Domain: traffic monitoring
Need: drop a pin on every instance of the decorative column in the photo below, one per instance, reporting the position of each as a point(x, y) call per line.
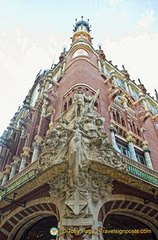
point(6, 174)
point(113, 77)
point(130, 140)
point(104, 67)
point(144, 101)
point(113, 139)
point(14, 166)
point(59, 71)
point(1, 177)
point(36, 145)
point(130, 89)
point(147, 154)
point(25, 156)
point(99, 64)
point(124, 100)
point(42, 90)
point(47, 82)
point(126, 86)
point(64, 64)
point(39, 93)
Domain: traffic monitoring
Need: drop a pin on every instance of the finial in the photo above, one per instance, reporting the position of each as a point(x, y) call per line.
point(156, 94)
point(99, 45)
point(139, 81)
point(82, 17)
point(123, 67)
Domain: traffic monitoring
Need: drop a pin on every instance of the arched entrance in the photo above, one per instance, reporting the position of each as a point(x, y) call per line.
point(41, 229)
point(121, 227)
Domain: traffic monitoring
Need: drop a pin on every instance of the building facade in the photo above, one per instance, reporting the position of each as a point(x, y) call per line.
point(79, 158)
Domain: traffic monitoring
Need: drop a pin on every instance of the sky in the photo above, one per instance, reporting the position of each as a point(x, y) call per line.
point(33, 33)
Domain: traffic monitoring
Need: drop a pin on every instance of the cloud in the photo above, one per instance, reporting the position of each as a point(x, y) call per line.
point(21, 57)
point(139, 54)
point(114, 2)
point(146, 20)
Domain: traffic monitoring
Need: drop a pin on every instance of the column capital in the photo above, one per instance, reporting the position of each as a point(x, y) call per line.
point(26, 152)
point(38, 141)
point(129, 137)
point(145, 147)
point(112, 129)
point(7, 171)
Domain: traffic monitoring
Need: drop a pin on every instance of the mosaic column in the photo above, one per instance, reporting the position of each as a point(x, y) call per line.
point(1, 177)
point(113, 139)
point(25, 156)
point(147, 154)
point(130, 140)
point(6, 174)
point(14, 166)
point(37, 146)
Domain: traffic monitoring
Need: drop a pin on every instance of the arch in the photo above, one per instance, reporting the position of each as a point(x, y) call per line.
point(70, 101)
point(22, 218)
point(65, 106)
point(130, 206)
point(80, 52)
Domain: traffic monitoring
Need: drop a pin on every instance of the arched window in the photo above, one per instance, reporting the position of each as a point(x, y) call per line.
point(65, 106)
point(118, 117)
point(123, 122)
point(96, 105)
point(114, 116)
point(70, 101)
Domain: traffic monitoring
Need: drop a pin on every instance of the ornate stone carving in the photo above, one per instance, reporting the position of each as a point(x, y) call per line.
point(79, 140)
point(100, 184)
point(77, 203)
point(58, 186)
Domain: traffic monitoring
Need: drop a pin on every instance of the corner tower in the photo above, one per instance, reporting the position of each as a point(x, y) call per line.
point(79, 158)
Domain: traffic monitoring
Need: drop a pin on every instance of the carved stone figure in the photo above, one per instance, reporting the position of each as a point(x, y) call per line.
point(78, 143)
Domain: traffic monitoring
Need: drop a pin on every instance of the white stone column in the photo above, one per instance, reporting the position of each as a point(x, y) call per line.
point(130, 140)
point(113, 77)
point(126, 86)
point(64, 64)
point(99, 64)
point(147, 154)
point(144, 101)
point(47, 82)
point(130, 89)
point(25, 156)
point(37, 146)
point(113, 139)
point(104, 67)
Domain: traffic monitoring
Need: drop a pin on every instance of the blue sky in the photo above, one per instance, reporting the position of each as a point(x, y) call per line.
point(34, 32)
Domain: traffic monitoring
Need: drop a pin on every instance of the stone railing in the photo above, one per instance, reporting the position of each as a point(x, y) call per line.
point(141, 171)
